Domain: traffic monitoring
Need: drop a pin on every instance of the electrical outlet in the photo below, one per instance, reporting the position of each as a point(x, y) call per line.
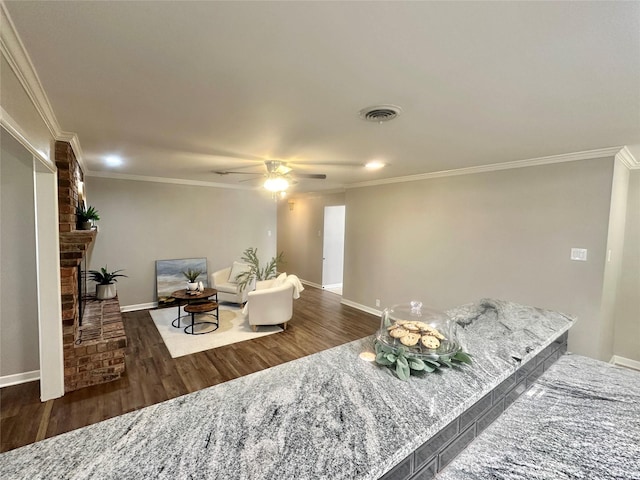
point(377, 302)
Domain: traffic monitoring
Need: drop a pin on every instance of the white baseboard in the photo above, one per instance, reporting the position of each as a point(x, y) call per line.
point(311, 284)
point(17, 378)
point(139, 306)
point(625, 362)
point(364, 308)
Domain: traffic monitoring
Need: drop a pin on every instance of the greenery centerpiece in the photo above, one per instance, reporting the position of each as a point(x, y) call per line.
point(250, 257)
point(405, 363)
point(86, 216)
point(105, 280)
point(192, 276)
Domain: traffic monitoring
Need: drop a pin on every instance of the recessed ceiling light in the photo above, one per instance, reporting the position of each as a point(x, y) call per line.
point(374, 165)
point(113, 161)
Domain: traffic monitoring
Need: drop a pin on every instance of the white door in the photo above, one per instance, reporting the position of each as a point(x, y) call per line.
point(333, 246)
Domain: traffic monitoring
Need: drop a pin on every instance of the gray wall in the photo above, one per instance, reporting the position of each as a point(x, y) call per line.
point(627, 317)
point(141, 222)
point(300, 233)
point(504, 234)
point(18, 295)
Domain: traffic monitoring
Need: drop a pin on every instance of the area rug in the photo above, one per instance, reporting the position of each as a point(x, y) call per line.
point(234, 327)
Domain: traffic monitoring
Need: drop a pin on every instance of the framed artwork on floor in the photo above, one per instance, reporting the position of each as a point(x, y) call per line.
point(169, 276)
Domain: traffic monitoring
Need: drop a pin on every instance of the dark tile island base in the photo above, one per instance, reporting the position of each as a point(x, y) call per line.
point(330, 415)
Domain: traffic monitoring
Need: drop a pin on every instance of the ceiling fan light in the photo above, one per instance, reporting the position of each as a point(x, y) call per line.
point(374, 165)
point(276, 184)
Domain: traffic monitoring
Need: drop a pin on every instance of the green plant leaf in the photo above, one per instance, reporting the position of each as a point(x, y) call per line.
point(403, 371)
point(387, 349)
point(391, 357)
point(402, 360)
point(192, 275)
point(85, 214)
point(446, 362)
point(433, 363)
point(416, 364)
point(250, 257)
point(429, 368)
point(103, 277)
point(463, 357)
point(382, 360)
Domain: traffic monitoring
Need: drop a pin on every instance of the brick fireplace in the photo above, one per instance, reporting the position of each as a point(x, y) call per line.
point(94, 345)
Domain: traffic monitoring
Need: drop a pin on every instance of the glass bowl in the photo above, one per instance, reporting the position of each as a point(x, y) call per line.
point(424, 332)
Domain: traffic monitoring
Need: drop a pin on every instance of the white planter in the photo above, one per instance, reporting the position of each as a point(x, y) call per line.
point(105, 292)
point(192, 286)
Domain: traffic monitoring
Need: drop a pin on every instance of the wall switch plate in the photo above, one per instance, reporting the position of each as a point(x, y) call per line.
point(377, 302)
point(579, 254)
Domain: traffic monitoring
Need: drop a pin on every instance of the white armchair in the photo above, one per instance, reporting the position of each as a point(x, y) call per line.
point(228, 289)
point(271, 303)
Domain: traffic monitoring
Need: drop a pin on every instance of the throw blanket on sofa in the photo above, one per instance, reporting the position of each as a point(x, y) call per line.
point(281, 280)
point(297, 285)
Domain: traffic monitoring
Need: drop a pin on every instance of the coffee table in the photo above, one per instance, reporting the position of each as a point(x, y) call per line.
point(194, 298)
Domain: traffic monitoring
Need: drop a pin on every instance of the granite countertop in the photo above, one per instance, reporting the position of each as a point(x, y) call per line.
point(330, 415)
point(580, 420)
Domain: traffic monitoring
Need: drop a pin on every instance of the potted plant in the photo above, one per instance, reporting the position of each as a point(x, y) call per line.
point(250, 256)
point(106, 287)
point(86, 216)
point(192, 276)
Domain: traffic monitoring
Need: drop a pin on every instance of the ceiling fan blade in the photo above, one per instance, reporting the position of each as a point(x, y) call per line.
point(227, 172)
point(251, 179)
point(328, 164)
point(318, 176)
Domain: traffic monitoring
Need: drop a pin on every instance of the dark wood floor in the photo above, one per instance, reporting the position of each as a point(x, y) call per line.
point(152, 376)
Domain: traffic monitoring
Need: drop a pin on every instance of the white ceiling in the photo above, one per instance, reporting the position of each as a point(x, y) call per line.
point(179, 89)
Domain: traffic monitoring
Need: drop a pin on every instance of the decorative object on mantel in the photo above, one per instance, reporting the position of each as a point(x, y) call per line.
point(106, 287)
point(192, 276)
point(413, 338)
point(86, 216)
point(250, 257)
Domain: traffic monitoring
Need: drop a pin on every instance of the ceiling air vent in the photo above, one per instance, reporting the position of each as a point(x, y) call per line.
point(380, 113)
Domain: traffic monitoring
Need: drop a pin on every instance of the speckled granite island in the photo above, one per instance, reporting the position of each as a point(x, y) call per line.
point(330, 415)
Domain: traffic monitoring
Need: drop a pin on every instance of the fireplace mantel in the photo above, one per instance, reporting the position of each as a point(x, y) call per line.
point(74, 246)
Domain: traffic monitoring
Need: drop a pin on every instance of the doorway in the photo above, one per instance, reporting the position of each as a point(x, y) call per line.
point(333, 248)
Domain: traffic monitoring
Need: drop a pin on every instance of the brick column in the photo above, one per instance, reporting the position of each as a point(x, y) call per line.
point(93, 353)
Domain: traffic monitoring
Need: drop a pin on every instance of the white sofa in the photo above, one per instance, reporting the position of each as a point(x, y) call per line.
point(271, 303)
point(228, 289)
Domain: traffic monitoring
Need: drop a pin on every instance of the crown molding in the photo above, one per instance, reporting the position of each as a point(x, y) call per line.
point(627, 159)
point(18, 58)
point(11, 126)
point(565, 157)
point(316, 193)
point(175, 181)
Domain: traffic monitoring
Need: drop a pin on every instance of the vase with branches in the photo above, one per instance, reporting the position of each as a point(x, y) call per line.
point(250, 257)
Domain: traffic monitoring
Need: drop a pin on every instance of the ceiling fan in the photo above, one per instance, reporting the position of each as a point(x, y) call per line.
point(279, 176)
